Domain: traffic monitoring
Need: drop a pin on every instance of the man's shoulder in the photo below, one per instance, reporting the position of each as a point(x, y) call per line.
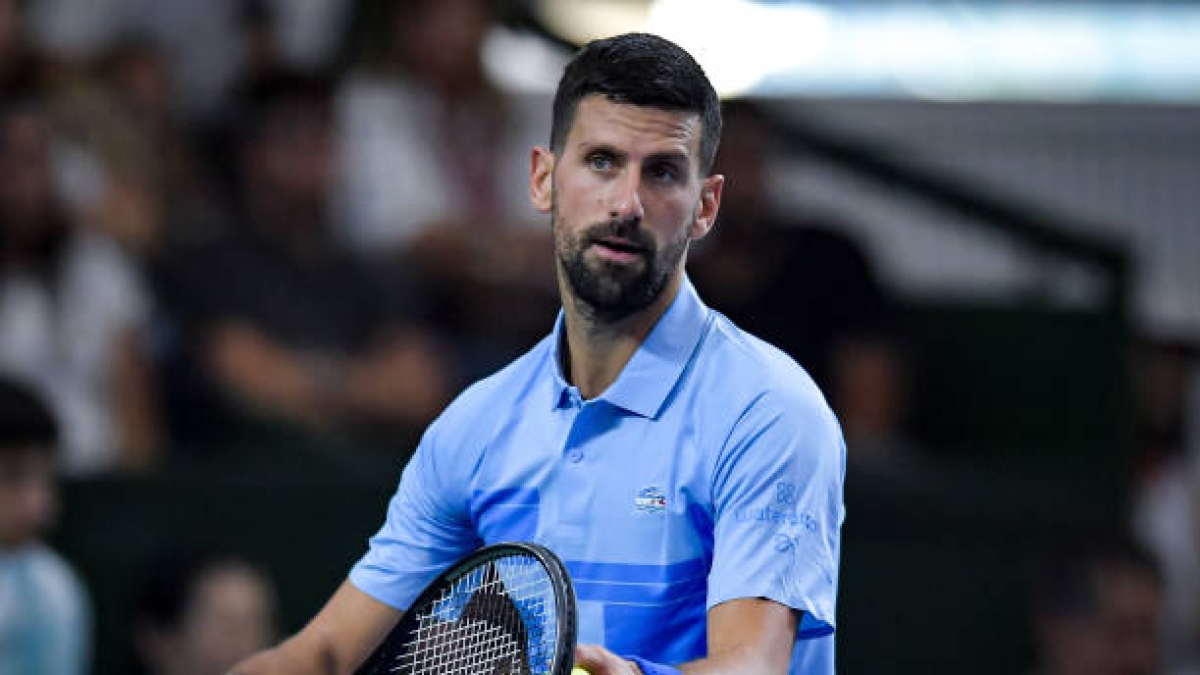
point(767, 411)
point(752, 368)
point(506, 389)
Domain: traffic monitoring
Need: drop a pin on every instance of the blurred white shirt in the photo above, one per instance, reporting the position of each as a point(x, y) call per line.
point(61, 340)
point(394, 181)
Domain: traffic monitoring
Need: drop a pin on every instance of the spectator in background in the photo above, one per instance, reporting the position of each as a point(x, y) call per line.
point(17, 64)
point(803, 284)
point(120, 115)
point(282, 322)
point(428, 142)
point(428, 148)
point(73, 312)
point(1097, 610)
point(200, 613)
point(1166, 494)
point(259, 38)
point(44, 622)
point(211, 42)
point(1162, 370)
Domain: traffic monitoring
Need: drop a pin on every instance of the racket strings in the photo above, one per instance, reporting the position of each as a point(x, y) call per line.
point(496, 619)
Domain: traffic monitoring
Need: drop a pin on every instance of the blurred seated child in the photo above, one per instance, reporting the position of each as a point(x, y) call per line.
point(44, 615)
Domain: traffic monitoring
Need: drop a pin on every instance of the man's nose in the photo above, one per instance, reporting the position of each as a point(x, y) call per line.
point(625, 202)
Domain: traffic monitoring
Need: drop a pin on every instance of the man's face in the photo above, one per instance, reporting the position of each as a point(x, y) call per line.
point(27, 496)
point(626, 196)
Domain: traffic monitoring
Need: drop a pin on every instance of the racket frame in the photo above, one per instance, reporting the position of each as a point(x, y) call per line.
point(381, 659)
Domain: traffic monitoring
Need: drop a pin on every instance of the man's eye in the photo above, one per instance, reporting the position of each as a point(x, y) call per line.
point(600, 162)
point(664, 172)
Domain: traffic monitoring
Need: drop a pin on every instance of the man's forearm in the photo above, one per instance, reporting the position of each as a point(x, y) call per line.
point(292, 656)
point(739, 661)
point(736, 662)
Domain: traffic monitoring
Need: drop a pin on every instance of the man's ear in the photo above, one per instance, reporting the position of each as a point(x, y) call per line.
point(541, 178)
point(710, 203)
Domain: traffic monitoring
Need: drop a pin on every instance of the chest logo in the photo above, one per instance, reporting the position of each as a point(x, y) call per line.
point(650, 500)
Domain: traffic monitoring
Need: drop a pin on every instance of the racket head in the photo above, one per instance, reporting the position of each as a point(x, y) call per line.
point(505, 609)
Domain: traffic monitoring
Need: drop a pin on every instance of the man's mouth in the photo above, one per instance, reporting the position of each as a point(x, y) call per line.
point(618, 249)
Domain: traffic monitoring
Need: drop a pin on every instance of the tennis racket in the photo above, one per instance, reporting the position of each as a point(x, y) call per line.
point(506, 609)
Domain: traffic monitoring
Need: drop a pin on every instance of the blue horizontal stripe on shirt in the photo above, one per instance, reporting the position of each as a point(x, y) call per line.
point(509, 514)
point(638, 583)
point(630, 573)
point(656, 594)
point(482, 500)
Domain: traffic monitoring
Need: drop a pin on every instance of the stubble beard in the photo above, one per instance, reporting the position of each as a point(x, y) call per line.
point(608, 292)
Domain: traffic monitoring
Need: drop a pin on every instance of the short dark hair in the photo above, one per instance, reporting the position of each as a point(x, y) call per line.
point(640, 69)
point(169, 588)
point(171, 580)
point(25, 420)
point(169, 585)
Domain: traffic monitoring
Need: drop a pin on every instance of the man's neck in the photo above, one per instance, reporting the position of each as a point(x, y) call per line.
point(597, 350)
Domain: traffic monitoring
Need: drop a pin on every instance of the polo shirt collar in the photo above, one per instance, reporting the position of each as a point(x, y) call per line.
point(650, 376)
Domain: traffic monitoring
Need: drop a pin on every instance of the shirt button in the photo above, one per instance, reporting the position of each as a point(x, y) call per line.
point(575, 456)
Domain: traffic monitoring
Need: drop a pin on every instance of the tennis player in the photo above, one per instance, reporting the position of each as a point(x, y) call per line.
point(689, 474)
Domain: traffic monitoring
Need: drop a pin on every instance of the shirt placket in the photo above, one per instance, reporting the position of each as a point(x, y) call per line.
point(576, 483)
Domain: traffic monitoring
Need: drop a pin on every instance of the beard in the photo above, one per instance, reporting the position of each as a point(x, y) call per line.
point(611, 291)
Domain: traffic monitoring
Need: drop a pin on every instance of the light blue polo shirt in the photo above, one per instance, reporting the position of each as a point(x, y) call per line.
point(45, 618)
point(710, 470)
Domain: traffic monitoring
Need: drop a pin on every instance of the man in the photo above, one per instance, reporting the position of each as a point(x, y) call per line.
point(689, 475)
point(74, 312)
point(44, 622)
point(298, 332)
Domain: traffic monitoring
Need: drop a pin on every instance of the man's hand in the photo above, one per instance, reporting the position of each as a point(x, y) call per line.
point(749, 636)
point(599, 661)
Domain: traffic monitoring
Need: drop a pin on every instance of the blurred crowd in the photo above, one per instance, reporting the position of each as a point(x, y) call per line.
point(227, 225)
point(287, 233)
point(326, 240)
point(331, 238)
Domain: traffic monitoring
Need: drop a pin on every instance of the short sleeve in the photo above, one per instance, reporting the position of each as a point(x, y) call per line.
point(427, 529)
point(778, 507)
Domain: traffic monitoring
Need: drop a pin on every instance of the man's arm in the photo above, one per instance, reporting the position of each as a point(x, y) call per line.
point(336, 641)
point(749, 636)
